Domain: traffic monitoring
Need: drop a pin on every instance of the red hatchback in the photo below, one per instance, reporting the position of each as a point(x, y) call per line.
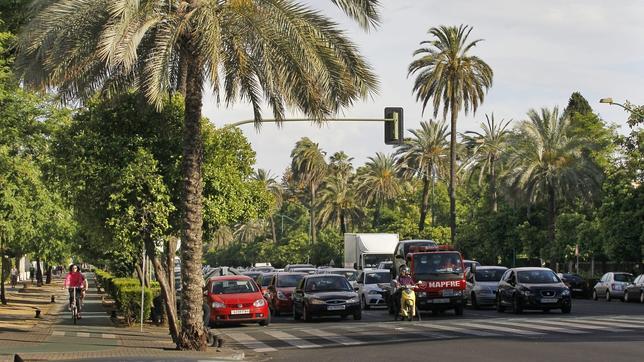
point(235, 299)
point(280, 290)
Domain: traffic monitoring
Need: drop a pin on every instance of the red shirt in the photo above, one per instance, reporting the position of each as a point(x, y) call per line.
point(74, 279)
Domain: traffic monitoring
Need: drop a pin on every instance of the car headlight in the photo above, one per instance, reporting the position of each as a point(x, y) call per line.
point(353, 300)
point(422, 294)
point(565, 293)
point(259, 303)
point(218, 305)
point(281, 295)
point(316, 301)
point(526, 292)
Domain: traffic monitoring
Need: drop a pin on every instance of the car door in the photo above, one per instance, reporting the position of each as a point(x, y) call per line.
point(601, 286)
point(504, 286)
point(298, 296)
point(272, 292)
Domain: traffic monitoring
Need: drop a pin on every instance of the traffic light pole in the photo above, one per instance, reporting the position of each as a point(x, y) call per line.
point(311, 120)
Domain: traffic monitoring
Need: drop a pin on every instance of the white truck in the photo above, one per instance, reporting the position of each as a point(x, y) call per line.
point(366, 250)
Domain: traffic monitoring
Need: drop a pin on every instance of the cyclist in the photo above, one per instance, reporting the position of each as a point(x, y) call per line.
point(75, 279)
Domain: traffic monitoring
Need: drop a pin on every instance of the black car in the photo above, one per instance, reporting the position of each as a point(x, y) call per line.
point(532, 288)
point(577, 284)
point(324, 295)
point(635, 291)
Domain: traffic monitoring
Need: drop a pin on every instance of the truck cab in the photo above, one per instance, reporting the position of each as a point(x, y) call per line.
point(440, 277)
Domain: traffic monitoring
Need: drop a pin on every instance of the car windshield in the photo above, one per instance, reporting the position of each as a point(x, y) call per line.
point(489, 275)
point(328, 284)
point(266, 279)
point(289, 281)
point(418, 243)
point(628, 278)
point(437, 263)
point(378, 277)
point(537, 277)
point(233, 287)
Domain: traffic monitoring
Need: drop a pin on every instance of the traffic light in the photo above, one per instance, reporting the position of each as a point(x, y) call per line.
point(394, 126)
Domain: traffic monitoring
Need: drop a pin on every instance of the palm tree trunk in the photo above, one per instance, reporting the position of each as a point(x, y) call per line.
point(452, 169)
point(273, 230)
point(312, 211)
point(493, 186)
point(424, 204)
point(192, 336)
point(376, 215)
point(343, 225)
point(552, 213)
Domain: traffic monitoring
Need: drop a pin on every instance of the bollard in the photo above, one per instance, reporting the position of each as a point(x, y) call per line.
point(37, 313)
point(53, 299)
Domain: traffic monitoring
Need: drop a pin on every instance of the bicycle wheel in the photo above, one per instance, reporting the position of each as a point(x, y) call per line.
point(74, 313)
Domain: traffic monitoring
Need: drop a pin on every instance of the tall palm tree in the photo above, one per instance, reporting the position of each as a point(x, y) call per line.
point(309, 169)
point(487, 147)
point(545, 164)
point(339, 204)
point(449, 76)
point(340, 164)
point(424, 155)
point(379, 183)
point(272, 186)
point(278, 51)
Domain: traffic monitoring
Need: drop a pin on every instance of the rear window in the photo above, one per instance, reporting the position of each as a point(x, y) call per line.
point(628, 278)
point(289, 281)
point(537, 277)
point(489, 275)
point(328, 284)
point(233, 287)
point(375, 278)
point(266, 279)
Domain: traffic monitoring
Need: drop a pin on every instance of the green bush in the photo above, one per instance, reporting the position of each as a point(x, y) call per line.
point(129, 302)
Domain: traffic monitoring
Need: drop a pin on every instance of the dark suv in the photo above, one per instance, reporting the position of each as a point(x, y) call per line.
point(323, 295)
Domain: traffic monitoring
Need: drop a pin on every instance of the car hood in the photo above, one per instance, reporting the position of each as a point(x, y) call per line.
point(286, 290)
point(486, 285)
point(241, 298)
point(544, 286)
point(372, 286)
point(332, 295)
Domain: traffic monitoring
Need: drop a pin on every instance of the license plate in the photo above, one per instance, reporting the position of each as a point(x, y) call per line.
point(240, 311)
point(577, 290)
point(448, 292)
point(336, 307)
point(548, 300)
point(440, 300)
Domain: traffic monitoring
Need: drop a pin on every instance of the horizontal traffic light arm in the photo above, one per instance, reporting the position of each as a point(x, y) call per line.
point(311, 120)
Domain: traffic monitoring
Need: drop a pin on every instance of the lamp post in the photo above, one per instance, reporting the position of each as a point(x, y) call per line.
point(609, 100)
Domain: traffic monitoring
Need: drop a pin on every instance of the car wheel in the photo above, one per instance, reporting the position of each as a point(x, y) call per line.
point(475, 304)
point(305, 314)
point(642, 297)
point(546, 310)
point(608, 297)
point(266, 321)
point(499, 307)
point(516, 308)
point(625, 299)
point(566, 310)
point(594, 294)
point(363, 301)
point(296, 316)
point(458, 310)
point(357, 316)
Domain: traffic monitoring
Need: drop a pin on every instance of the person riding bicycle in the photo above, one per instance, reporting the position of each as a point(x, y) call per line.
point(75, 279)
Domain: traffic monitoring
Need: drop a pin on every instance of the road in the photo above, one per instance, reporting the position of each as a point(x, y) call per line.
point(596, 330)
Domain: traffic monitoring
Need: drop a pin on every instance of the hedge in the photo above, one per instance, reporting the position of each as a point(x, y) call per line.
point(126, 292)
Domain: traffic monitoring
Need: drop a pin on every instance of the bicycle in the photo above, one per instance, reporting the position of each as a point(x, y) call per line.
point(75, 304)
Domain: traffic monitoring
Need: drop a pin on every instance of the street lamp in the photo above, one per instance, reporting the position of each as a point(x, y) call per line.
point(609, 100)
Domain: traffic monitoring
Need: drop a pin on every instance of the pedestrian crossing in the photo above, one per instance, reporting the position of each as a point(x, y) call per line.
point(275, 337)
point(83, 334)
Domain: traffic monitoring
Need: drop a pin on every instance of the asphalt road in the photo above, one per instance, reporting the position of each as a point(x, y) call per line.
point(594, 331)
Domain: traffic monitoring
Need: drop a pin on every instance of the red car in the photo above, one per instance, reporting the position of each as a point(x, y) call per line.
point(280, 290)
point(235, 299)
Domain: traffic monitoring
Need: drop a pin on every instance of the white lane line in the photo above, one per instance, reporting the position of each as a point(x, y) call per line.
point(580, 325)
point(501, 329)
point(625, 320)
point(473, 332)
point(611, 324)
point(405, 328)
point(251, 342)
point(82, 334)
point(58, 333)
point(292, 340)
point(108, 335)
point(345, 341)
point(532, 325)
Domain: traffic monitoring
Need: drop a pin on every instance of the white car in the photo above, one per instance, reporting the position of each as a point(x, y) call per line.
point(482, 285)
point(369, 287)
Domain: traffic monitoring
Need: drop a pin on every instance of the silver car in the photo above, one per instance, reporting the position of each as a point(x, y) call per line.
point(482, 284)
point(612, 285)
point(369, 287)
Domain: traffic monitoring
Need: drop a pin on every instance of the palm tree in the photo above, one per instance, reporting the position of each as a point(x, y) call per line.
point(275, 189)
point(309, 169)
point(487, 148)
point(340, 164)
point(546, 164)
point(339, 203)
point(449, 76)
point(278, 51)
point(379, 183)
point(424, 155)
point(249, 231)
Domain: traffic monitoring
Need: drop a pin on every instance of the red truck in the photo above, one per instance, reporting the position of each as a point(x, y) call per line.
point(440, 275)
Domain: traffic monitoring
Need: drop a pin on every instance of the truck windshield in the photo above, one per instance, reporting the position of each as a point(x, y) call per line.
point(437, 263)
point(372, 260)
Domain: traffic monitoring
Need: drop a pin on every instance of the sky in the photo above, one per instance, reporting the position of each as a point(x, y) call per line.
point(540, 51)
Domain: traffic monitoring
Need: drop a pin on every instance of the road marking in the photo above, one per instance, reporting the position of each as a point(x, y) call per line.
point(531, 324)
point(405, 328)
point(107, 335)
point(460, 330)
point(58, 333)
point(501, 329)
point(251, 342)
point(612, 324)
point(346, 341)
point(82, 334)
point(626, 320)
point(580, 325)
point(291, 339)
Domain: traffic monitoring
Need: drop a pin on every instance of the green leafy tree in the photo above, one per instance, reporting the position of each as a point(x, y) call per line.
point(449, 76)
point(425, 155)
point(278, 51)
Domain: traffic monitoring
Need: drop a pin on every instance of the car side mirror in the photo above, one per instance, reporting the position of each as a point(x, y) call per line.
point(399, 257)
point(356, 289)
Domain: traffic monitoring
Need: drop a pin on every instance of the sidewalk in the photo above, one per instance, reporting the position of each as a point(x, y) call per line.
point(95, 335)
